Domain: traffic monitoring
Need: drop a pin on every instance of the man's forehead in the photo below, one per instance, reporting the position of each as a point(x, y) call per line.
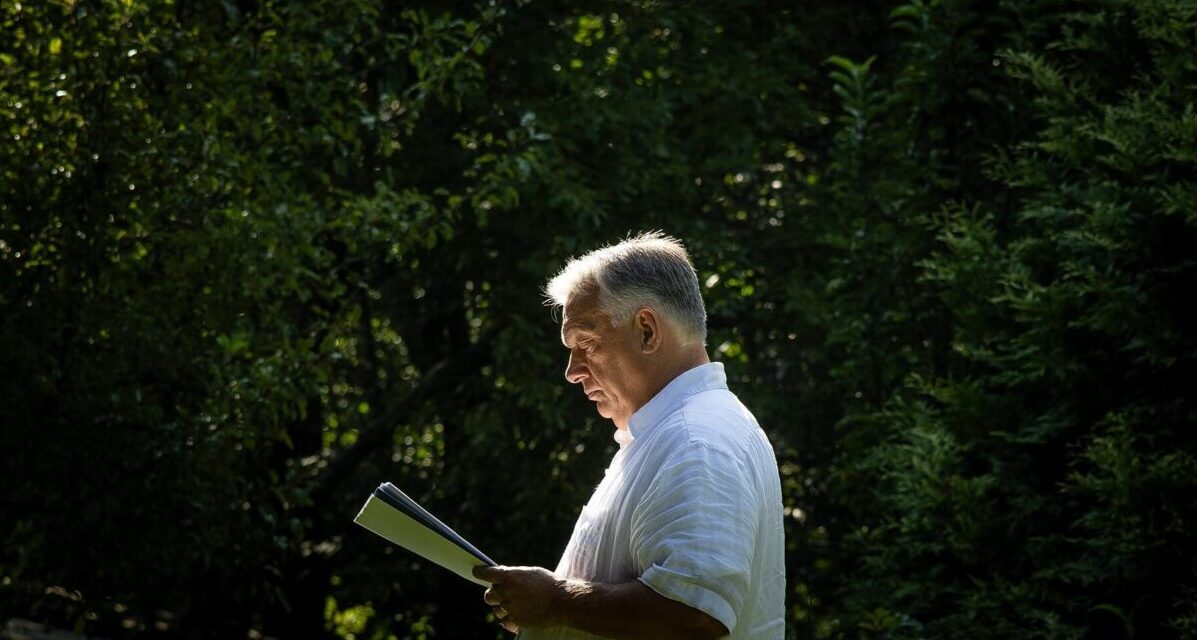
point(579, 309)
point(580, 314)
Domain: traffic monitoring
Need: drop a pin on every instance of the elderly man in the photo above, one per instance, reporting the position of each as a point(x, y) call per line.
point(683, 537)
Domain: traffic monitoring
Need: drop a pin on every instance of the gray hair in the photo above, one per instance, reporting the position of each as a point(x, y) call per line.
point(648, 270)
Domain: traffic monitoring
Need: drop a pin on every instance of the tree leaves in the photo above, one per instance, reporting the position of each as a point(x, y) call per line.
point(255, 257)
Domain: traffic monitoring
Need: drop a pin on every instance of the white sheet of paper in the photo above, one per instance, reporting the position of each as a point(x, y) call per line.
point(394, 525)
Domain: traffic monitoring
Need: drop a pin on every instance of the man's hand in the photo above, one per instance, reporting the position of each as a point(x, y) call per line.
point(533, 597)
point(523, 596)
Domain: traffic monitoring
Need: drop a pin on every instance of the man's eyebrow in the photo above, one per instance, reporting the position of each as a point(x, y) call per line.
point(574, 327)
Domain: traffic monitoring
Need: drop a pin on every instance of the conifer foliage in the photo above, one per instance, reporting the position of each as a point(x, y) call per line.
point(258, 256)
point(1036, 483)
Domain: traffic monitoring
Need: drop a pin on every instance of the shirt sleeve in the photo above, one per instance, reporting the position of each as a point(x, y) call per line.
point(692, 533)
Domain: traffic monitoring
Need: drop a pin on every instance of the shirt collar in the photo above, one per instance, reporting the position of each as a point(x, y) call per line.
point(701, 378)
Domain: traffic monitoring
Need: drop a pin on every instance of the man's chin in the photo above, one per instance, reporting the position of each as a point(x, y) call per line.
point(620, 421)
point(604, 409)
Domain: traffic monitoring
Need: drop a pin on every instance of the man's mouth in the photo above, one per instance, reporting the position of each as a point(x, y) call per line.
point(594, 395)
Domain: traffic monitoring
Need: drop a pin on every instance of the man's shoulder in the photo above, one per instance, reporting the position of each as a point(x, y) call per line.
point(714, 418)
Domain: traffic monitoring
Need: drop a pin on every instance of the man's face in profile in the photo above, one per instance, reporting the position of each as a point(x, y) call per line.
point(605, 360)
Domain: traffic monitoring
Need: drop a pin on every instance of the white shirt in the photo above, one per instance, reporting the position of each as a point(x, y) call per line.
point(690, 506)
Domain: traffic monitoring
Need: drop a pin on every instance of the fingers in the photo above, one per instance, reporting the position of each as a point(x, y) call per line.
point(511, 586)
point(491, 597)
point(501, 616)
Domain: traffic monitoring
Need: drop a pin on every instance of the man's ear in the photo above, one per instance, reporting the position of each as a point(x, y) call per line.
point(648, 328)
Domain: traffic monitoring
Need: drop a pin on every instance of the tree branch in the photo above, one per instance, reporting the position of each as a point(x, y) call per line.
point(376, 434)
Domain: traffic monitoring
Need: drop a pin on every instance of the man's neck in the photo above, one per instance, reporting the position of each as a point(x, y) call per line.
point(689, 356)
point(686, 358)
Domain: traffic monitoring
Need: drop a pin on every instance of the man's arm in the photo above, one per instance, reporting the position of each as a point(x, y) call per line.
point(534, 597)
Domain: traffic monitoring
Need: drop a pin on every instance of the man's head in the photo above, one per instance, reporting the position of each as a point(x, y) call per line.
point(633, 320)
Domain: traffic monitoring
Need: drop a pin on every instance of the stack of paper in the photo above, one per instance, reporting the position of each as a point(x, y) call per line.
point(398, 518)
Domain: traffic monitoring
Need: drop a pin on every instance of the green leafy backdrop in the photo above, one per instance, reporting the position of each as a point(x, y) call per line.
point(257, 256)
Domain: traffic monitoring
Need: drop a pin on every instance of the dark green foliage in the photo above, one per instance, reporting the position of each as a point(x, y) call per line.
point(1039, 485)
point(256, 257)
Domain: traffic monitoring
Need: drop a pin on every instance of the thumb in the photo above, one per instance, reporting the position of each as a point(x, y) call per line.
point(489, 574)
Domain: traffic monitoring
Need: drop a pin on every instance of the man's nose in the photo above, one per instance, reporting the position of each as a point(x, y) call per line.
point(575, 370)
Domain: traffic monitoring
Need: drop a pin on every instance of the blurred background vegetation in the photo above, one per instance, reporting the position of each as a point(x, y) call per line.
point(257, 256)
